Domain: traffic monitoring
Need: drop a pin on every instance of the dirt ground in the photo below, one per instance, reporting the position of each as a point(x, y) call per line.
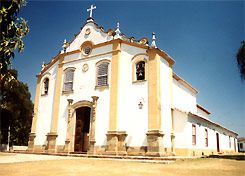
point(101, 167)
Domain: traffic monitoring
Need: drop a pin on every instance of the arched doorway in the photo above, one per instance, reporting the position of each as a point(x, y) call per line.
point(82, 129)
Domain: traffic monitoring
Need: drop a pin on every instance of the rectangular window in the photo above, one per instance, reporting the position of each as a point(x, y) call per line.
point(241, 145)
point(102, 74)
point(193, 134)
point(206, 137)
point(68, 84)
point(229, 141)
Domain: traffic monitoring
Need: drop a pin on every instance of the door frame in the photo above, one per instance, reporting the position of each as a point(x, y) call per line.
point(71, 122)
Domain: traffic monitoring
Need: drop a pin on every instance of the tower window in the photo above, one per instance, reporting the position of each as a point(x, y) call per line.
point(140, 70)
point(45, 86)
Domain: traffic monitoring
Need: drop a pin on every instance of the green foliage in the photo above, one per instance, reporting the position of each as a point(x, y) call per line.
point(13, 29)
point(241, 60)
point(17, 110)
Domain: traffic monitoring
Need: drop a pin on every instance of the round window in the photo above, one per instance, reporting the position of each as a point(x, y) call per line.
point(87, 50)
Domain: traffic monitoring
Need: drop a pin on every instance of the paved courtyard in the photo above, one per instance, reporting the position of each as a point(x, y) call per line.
point(46, 165)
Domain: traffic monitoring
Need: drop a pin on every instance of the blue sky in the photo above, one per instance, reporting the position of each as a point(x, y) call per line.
point(202, 37)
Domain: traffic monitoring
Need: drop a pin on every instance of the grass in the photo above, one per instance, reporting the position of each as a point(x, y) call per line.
point(92, 167)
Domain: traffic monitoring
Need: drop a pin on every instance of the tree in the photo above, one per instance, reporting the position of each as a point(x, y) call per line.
point(17, 110)
point(241, 60)
point(13, 29)
point(15, 105)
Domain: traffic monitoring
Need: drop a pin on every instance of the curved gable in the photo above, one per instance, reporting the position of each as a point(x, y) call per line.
point(89, 32)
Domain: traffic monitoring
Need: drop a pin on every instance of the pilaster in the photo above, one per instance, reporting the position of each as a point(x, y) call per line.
point(31, 142)
point(155, 143)
point(32, 135)
point(116, 144)
point(92, 141)
point(51, 137)
point(68, 131)
point(154, 134)
point(114, 86)
point(51, 142)
point(115, 139)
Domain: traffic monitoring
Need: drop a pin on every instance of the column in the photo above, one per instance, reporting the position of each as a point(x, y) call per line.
point(172, 111)
point(154, 134)
point(51, 137)
point(32, 135)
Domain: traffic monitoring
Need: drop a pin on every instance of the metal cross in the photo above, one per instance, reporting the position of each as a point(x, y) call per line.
point(91, 10)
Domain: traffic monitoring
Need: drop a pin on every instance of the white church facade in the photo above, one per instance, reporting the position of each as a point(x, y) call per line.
point(107, 94)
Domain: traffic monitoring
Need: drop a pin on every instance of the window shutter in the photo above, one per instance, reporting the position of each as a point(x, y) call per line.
point(68, 83)
point(102, 74)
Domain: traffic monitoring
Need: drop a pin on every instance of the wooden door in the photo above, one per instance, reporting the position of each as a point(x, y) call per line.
point(82, 129)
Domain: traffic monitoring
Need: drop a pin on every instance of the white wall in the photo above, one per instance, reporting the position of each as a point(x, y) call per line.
point(165, 102)
point(183, 98)
point(130, 118)
point(182, 130)
point(45, 106)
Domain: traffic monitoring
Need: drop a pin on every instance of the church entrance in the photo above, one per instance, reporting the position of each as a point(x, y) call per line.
point(82, 129)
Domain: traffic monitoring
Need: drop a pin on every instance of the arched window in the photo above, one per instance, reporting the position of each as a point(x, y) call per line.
point(140, 70)
point(45, 86)
point(68, 80)
point(102, 74)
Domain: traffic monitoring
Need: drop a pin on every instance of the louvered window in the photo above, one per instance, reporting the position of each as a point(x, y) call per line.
point(102, 74)
point(68, 80)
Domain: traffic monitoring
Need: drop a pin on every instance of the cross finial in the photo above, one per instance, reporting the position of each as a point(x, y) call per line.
point(153, 43)
point(118, 32)
point(118, 25)
point(91, 10)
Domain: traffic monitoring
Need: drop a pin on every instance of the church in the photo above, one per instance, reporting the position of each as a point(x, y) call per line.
point(107, 94)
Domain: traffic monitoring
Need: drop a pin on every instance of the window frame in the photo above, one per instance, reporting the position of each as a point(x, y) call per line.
point(229, 141)
point(194, 138)
point(135, 60)
point(42, 85)
point(45, 86)
point(98, 64)
point(84, 46)
point(136, 74)
point(206, 137)
point(65, 82)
